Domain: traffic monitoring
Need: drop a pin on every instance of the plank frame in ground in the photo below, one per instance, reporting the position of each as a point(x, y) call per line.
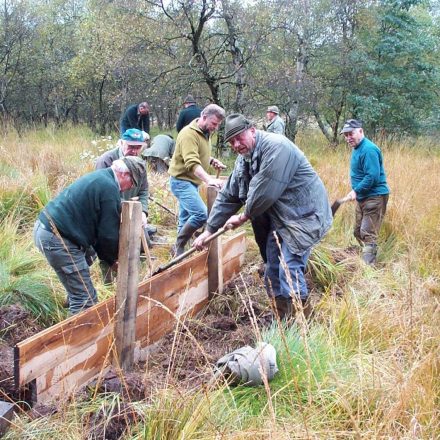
point(68, 355)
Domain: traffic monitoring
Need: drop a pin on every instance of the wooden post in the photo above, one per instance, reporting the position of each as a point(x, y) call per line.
point(127, 284)
point(215, 255)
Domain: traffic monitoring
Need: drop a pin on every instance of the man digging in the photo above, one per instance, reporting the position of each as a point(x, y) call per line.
point(273, 177)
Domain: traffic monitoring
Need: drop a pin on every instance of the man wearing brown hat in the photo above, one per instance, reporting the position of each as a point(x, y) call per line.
point(86, 214)
point(275, 123)
point(369, 188)
point(272, 177)
point(189, 112)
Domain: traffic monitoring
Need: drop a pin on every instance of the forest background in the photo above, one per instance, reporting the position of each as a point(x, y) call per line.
point(321, 61)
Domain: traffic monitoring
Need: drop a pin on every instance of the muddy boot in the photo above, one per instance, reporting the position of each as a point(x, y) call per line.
point(284, 307)
point(182, 238)
point(369, 252)
point(307, 308)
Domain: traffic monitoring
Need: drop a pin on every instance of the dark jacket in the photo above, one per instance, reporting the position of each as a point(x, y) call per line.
point(187, 115)
point(279, 181)
point(367, 173)
point(88, 213)
point(132, 119)
point(141, 190)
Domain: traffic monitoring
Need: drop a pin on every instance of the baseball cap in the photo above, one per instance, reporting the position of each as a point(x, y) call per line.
point(350, 125)
point(133, 136)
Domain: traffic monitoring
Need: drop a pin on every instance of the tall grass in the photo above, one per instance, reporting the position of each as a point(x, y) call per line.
point(367, 366)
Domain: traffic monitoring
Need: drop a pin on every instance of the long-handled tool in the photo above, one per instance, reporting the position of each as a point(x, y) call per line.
point(162, 206)
point(188, 252)
point(337, 203)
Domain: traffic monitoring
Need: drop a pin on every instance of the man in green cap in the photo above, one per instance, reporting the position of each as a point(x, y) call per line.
point(272, 177)
point(86, 214)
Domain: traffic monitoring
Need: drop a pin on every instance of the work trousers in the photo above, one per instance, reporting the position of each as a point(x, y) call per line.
point(69, 262)
point(192, 209)
point(285, 271)
point(369, 216)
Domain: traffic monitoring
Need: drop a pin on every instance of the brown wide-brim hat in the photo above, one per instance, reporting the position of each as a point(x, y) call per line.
point(136, 166)
point(235, 124)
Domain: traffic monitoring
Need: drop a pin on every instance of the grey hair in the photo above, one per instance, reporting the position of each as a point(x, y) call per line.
point(214, 110)
point(119, 165)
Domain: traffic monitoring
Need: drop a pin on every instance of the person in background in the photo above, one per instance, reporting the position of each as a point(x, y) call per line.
point(87, 214)
point(189, 112)
point(369, 188)
point(131, 144)
point(160, 153)
point(275, 123)
point(136, 116)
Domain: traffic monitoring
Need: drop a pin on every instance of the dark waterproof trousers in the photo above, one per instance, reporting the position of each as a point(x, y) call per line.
point(369, 216)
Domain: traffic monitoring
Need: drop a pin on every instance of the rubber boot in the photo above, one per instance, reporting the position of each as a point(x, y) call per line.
point(284, 307)
point(369, 252)
point(182, 238)
point(307, 308)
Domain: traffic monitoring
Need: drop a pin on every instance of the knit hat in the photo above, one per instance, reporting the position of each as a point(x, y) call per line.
point(136, 167)
point(235, 124)
point(189, 100)
point(350, 125)
point(273, 109)
point(133, 136)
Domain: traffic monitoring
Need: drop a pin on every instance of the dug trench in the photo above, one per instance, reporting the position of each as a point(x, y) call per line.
point(183, 359)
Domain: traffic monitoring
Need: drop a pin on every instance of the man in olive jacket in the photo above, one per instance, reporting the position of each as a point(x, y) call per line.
point(273, 177)
point(188, 169)
point(86, 214)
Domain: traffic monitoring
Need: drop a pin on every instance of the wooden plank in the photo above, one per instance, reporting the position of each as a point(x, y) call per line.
point(69, 354)
point(43, 351)
point(127, 287)
point(215, 262)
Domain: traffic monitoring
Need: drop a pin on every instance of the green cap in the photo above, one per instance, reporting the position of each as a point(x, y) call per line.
point(136, 166)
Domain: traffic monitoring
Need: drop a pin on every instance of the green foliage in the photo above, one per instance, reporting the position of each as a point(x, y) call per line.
point(23, 278)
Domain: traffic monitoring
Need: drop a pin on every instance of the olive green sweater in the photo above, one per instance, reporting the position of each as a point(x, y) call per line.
point(193, 147)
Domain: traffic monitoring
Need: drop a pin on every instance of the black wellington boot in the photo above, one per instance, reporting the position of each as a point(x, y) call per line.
point(182, 238)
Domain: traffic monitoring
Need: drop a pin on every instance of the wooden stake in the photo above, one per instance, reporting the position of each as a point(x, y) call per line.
point(215, 255)
point(127, 284)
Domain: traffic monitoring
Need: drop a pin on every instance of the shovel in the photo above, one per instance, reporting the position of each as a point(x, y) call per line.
point(337, 203)
point(188, 252)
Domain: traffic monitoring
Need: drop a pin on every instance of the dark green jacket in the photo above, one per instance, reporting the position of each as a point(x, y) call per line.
point(187, 115)
point(132, 119)
point(141, 190)
point(88, 213)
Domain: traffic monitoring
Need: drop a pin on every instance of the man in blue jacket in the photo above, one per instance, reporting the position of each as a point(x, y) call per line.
point(369, 188)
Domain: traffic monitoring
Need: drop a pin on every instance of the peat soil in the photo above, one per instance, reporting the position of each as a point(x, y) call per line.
point(16, 324)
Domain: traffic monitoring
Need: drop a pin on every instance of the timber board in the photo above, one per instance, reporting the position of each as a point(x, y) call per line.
point(66, 356)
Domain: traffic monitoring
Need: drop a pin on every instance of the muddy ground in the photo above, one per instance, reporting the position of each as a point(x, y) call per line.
point(183, 360)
